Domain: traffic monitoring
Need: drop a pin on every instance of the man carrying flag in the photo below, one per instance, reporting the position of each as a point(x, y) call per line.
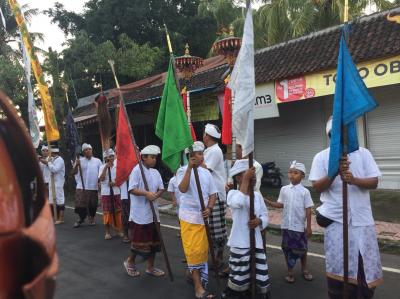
point(345, 163)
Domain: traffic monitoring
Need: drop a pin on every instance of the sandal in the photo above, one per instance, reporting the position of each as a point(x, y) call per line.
point(107, 237)
point(206, 295)
point(307, 276)
point(126, 240)
point(289, 278)
point(155, 272)
point(131, 269)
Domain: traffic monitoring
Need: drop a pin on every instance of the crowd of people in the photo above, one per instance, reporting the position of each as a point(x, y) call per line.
point(127, 209)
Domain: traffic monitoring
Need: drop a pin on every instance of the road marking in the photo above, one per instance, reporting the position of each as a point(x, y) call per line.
point(387, 269)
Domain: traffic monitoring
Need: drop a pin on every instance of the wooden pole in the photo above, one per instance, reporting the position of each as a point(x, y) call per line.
point(112, 197)
point(252, 236)
point(207, 227)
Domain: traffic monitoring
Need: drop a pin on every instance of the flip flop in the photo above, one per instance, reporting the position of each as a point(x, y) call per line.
point(155, 272)
point(307, 276)
point(289, 279)
point(107, 237)
point(126, 240)
point(131, 269)
point(206, 295)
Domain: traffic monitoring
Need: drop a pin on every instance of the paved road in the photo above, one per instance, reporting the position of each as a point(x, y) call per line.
point(91, 267)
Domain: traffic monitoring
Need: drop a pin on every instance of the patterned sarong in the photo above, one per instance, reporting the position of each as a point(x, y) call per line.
point(239, 274)
point(217, 224)
point(144, 239)
point(294, 246)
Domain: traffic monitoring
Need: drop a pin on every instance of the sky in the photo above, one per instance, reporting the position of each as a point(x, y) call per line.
point(53, 36)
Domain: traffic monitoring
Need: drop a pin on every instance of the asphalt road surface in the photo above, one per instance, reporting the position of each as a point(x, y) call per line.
point(91, 267)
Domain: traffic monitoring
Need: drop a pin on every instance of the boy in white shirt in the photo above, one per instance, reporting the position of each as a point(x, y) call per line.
point(297, 203)
point(145, 240)
point(239, 239)
point(110, 195)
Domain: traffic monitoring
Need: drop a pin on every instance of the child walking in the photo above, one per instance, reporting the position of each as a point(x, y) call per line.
point(296, 202)
point(145, 240)
point(239, 240)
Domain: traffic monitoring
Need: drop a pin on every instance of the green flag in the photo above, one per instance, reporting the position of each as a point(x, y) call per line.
point(172, 125)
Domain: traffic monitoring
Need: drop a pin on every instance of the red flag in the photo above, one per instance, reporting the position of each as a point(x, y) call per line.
point(227, 118)
point(126, 156)
point(184, 99)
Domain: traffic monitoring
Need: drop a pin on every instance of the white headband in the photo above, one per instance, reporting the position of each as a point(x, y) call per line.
point(239, 167)
point(298, 166)
point(151, 150)
point(329, 126)
point(86, 146)
point(213, 131)
point(197, 146)
point(44, 148)
point(108, 153)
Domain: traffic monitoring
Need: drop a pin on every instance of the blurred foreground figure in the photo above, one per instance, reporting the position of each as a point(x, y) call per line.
point(28, 260)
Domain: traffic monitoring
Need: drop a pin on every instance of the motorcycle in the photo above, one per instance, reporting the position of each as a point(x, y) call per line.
point(272, 175)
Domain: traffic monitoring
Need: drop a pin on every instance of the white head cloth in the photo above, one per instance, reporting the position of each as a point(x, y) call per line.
point(151, 150)
point(329, 125)
point(108, 153)
point(55, 149)
point(86, 146)
point(197, 146)
point(239, 167)
point(213, 131)
point(44, 148)
point(298, 166)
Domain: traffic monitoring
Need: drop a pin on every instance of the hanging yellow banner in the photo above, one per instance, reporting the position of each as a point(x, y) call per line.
point(52, 132)
point(375, 73)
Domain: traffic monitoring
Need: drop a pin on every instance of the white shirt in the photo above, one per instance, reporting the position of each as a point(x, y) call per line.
point(295, 199)
point(90, 172)
point(190, 208)
point(124, 190)
point(140, 212)
point(45, 171)
point(362, 165)
point(105, 187)
point(239, 204)
point(214, 160)
point(56, 168)
point(173, 187)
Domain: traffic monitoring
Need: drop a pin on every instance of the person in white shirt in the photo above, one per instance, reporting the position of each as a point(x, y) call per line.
point(297, 203)
point(86, 172)
point(56, 168)
point(43, 166)
point(110, 195)
point(361, 172)
point(214, 161)
point(145, 240)
point(239, 239)
point(191, 217)
point(126, 208)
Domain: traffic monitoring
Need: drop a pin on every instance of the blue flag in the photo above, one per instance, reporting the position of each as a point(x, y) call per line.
point(72, 140)
point(351, 101)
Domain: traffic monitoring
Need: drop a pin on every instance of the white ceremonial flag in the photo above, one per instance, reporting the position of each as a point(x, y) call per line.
point(242, 84)
point(3, 20)
point(34, 128)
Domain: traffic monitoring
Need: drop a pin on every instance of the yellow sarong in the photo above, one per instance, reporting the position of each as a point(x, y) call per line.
point(195, 243)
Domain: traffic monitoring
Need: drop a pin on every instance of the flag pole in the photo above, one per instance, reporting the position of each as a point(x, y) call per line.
point(252, 235)
point(345, 194)
point(146, 185)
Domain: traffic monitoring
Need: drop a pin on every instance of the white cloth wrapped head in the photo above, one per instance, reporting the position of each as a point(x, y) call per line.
point(55, 149)
point(240, 166)
point(213, 131)
point(329, 125)
point(151, 150)
point(298, 166)
point(197, 146)
point(108, 153)
point(86, 146)
point(44, 148)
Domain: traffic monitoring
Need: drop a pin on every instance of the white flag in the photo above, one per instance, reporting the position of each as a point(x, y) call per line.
point(34, 128)
point(242, 84)
point(3, 20)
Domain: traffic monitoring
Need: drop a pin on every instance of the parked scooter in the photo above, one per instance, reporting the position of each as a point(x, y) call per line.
point(272, 175)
